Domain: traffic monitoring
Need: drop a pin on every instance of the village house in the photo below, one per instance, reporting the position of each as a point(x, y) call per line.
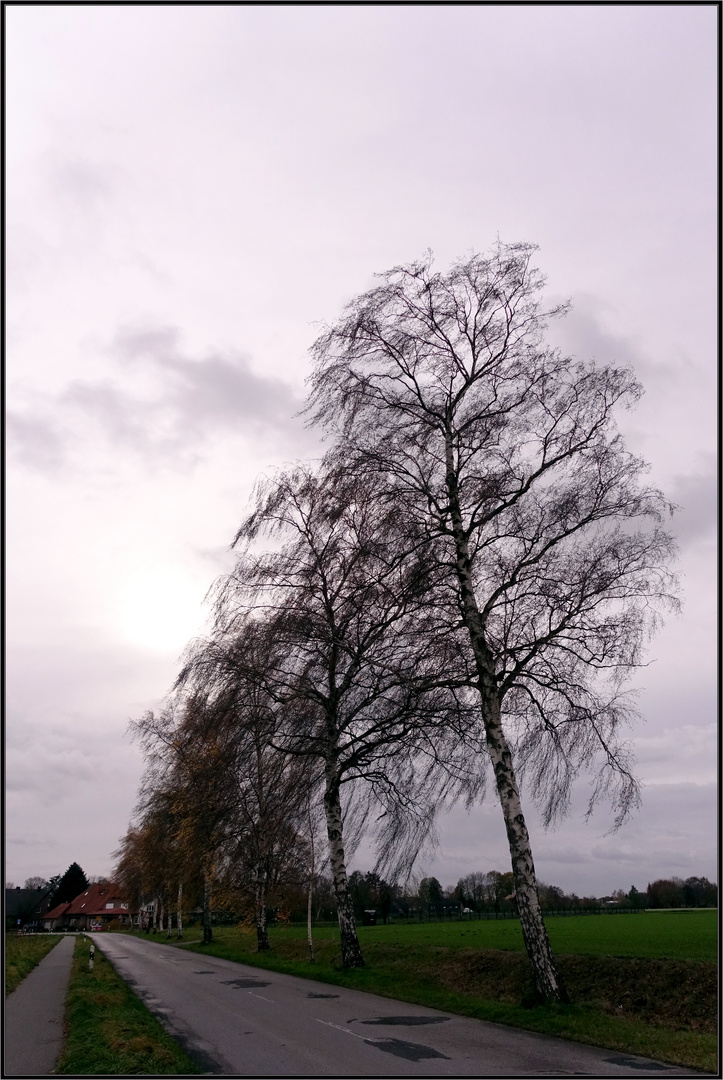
point(24, 906)
point(93, 909)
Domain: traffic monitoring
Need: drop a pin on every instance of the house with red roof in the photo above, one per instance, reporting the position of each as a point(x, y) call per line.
point(93, 909)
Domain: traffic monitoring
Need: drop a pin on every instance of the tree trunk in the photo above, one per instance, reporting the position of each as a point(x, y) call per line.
point(179, 914)
point(311, 889)
point(547, 979)
point(169, 921)
point(262, 937)
point(155, 913)
point(351, 955)
point(207, 931)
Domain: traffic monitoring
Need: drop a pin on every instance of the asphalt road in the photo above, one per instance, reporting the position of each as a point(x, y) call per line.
point(242, 1021)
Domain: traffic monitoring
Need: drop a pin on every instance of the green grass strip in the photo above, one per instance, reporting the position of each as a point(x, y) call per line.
point(109, 1030)
point(22, 954)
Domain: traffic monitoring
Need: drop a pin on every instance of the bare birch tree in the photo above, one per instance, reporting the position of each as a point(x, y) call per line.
point(353, 674)
point(507, 454)
point(268, 792)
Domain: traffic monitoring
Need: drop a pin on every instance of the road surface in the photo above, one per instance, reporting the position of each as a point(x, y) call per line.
point(240, 1020)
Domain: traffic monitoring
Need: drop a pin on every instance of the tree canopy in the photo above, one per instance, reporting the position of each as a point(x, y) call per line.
point(506, 455)
point(72, 884)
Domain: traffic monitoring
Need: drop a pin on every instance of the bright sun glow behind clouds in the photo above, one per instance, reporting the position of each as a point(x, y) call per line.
point(158, 606)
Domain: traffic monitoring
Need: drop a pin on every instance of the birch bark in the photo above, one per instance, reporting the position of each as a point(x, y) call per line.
point(537, 943)
point(351, 954)
point(309, 898)
point(207, 931)
point(179, 914)
point(262, 937)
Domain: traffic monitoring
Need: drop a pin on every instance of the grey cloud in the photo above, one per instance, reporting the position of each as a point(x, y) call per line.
point(697, 499)
point(83, 188)
point(36, 442)
point(88, 185)
point(155, 341)
point(50, 772)
point(614, 853)
point(584, 335)
point(581, 334)
point(218, 389)
point(121, 417)
point(191, 402)
point(567, 856)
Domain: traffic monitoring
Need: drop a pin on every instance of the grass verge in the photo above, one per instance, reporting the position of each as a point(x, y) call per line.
point(659, 1008)
point(109, 1029)
point(22, 954)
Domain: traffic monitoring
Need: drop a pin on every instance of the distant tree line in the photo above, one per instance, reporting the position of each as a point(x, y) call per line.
point(674, 892)
point(484, 891)
point(494, 891)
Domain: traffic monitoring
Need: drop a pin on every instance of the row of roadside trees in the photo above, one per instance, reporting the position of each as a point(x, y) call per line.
point(461, 586)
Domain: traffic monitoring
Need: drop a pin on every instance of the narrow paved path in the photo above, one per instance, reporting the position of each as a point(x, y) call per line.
point(34, 1014)
point(243, 1021)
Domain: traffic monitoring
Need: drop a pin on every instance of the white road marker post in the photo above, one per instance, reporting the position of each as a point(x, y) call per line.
point(92, 955)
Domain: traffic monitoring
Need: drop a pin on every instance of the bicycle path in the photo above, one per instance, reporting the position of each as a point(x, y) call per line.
point(34, 1014)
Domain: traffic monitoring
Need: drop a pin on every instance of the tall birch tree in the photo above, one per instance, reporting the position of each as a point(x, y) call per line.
point(507, 455)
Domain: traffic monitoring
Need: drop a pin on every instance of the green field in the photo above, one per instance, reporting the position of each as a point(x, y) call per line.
point(677, 935)
point(643, 984)
point(22, 954)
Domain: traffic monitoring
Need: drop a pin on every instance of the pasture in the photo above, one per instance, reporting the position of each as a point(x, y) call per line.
point(684, 934)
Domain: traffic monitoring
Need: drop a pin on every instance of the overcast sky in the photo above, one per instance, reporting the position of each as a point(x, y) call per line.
point(191, 191)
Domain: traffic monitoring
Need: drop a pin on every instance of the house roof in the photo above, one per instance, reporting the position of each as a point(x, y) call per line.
point(21, 901)
point(95, 900)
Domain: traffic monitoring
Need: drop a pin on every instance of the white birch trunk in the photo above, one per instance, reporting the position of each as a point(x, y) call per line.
point(547, 979)
point(309, 899)
point(262, 937)
point(351, 955)
point(207, 931)
point(179, 913)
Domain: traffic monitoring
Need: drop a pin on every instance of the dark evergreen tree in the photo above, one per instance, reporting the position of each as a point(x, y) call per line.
point(72, 883)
